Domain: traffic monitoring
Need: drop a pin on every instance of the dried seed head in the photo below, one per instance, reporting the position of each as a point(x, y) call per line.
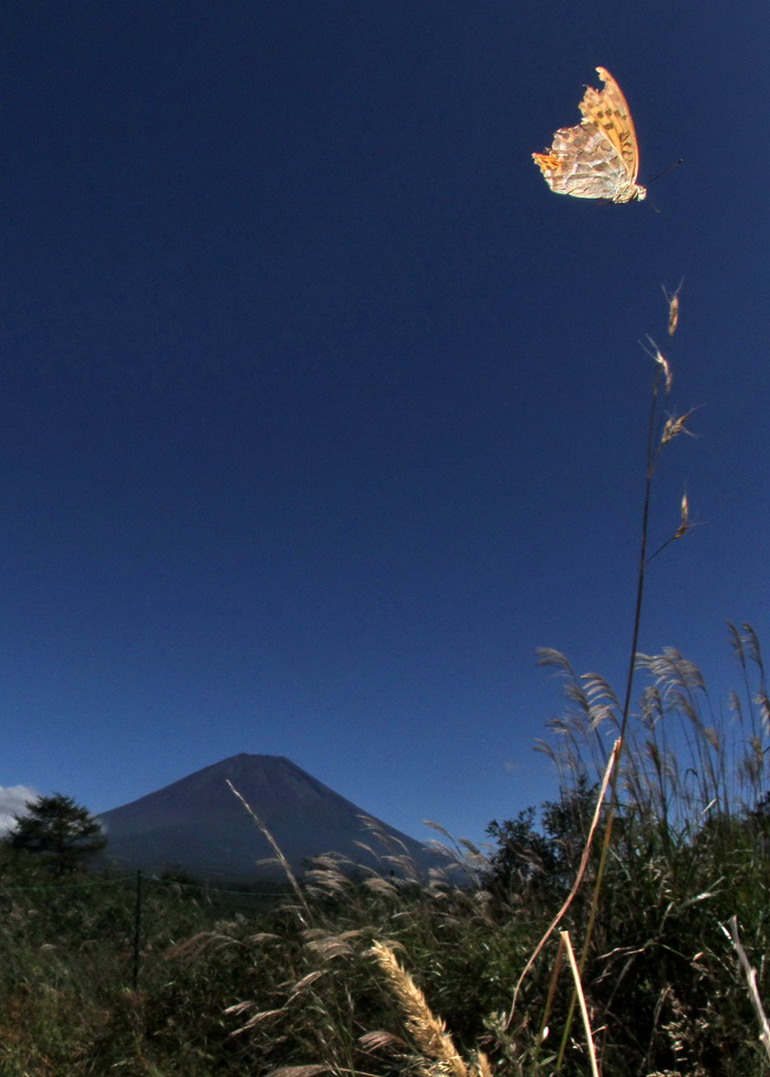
point(672, 298)
point(676, 426)
point(685, 518)
point(662, 362)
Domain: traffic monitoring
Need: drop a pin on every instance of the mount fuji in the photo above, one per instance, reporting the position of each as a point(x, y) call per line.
point(199, 826)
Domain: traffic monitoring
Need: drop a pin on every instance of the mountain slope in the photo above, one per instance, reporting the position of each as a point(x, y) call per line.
point(198, 825)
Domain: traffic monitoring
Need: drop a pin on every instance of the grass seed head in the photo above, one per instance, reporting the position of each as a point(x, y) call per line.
point(672, 298)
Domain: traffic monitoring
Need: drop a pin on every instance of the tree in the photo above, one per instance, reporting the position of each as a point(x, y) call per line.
point(525, 858)
point(543, 858)
point(59, 830)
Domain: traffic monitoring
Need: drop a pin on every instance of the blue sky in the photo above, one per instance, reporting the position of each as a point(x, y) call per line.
point(320, 412)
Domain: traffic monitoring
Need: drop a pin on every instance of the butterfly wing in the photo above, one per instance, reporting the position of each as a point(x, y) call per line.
point(582, 163)
point(600, 157)
point(608, 110)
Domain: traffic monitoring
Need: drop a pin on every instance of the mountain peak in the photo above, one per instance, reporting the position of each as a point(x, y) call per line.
point(196, 824)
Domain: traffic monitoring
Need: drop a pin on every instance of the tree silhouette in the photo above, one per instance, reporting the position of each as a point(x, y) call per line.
point(59, 830)
point(543, 858)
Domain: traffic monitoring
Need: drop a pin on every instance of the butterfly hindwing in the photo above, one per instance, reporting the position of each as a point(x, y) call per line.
point(576, 164)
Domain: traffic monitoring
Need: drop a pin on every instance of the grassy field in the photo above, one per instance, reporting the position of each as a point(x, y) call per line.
point(319, 976)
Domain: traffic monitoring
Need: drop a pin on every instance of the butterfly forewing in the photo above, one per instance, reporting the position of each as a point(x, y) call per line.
point(608, 110)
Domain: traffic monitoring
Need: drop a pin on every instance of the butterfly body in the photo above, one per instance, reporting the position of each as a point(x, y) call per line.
point(600, 157)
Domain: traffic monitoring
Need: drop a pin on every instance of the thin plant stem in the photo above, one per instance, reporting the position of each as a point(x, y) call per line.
point(751, 983)
point(565, 936)
point(609, 772)
point(263, 827)
point(652, 459)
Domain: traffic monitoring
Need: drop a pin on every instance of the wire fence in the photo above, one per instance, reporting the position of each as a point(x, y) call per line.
point(120, 903)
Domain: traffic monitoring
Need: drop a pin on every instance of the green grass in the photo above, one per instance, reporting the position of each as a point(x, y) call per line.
point(236, 985)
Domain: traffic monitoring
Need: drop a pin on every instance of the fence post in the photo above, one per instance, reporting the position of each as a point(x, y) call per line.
point(137, 930)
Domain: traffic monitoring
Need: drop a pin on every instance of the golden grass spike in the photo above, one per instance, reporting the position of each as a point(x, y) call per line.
point(429, 1031)
point(481, 1066)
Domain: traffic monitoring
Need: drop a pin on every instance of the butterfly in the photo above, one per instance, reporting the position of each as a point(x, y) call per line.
point(600, 158)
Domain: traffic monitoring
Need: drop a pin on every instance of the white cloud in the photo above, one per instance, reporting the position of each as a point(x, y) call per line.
point(13, 801)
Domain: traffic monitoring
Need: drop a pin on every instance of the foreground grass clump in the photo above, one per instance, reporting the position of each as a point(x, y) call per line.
point(385, 973)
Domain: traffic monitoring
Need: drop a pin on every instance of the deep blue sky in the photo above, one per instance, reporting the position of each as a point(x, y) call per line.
point(320, 412)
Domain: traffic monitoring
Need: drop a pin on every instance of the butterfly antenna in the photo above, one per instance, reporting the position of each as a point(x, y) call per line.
point(666, 171)
point(660, 175)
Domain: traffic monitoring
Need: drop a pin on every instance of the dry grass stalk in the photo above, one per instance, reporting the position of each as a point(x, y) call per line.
point(565, 938)
point(429, 1031)
point(614, 754)
point(329, 946)
point(294, 992)
point(552, 987)
point(299, 1071)
point(198, 943)
point(263, 827)
point(378, 885)
point(751, 982)
point(380, 1039)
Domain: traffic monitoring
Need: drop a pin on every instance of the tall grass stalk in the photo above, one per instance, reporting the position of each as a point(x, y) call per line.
point(286, 866)
point(659, 434)
point(566, 941)
point(610, 771)
point(751, 982)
